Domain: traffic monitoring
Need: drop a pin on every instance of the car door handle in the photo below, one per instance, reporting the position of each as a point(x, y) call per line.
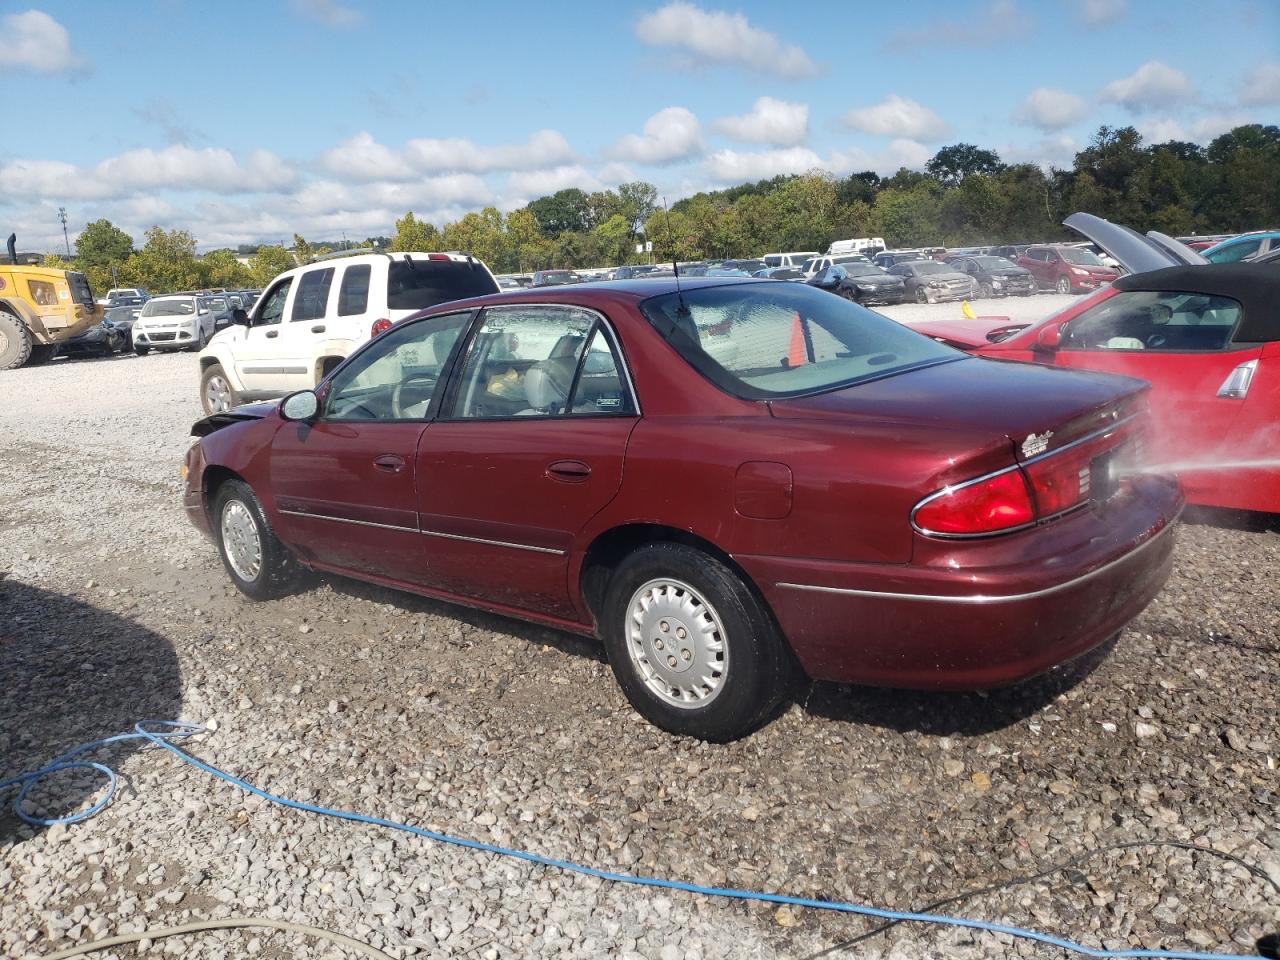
point(389, 463)
point(568, 471)
point(271, 334)
point(318, 328)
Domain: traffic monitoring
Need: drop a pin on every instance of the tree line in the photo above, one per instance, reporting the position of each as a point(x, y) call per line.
point(966, 195)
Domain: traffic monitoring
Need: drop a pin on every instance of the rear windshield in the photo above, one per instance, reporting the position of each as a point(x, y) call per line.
point(764, 340)
point(1076, 255)
point(169, 308)
point(424, 283)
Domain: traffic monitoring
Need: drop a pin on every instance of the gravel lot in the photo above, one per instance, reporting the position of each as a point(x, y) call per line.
point(114, 610)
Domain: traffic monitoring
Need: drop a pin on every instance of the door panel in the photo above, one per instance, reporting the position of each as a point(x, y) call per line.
point(345, 494)
point(501, 502)
point(257, 355)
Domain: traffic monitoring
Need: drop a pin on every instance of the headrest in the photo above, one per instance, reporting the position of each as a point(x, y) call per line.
point(546, 385)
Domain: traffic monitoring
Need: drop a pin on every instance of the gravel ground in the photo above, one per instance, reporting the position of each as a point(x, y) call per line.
point(114, 610)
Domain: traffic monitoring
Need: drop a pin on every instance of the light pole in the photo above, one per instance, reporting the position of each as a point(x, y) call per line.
point(62, 215)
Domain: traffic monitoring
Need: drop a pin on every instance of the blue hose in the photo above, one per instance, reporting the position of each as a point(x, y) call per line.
point(170, 730)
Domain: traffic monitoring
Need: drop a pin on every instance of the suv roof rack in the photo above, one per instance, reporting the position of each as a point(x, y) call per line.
point(335, 254)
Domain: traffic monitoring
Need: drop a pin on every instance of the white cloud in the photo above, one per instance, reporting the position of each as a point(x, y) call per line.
point(1154, 84)
point(670, 134)
point(1051, 109)
point(1261, 86)
point(1056, 151)
point(1200, 131)
point(723, 38)
point(363, 158)
point(329, 12)
point(35, 41)
point(734, 166)
point(996, 22)
point(898, 117)
point(1099, 13)
point(147, 170)
point(777, 122)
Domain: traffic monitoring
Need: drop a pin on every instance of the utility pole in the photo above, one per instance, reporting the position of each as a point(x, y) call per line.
point(62, 215)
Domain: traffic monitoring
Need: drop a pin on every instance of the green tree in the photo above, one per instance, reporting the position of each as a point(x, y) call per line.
point(563, 210)
point(952, 164)
point(102, 244)
point(413, 234)
point(166, 262)
point(268, 263)
point(220, 268)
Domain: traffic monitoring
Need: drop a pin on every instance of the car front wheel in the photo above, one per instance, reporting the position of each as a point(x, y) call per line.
point(694, 650)
point(922, 295)
point(216, 393)
point(1064, 285)
point(261, 567)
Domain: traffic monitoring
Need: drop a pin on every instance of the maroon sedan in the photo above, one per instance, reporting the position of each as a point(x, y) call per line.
point(722, 482)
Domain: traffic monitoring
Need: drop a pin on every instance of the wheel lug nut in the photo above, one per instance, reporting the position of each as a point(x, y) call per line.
point(664, 626)
point(671, 661)
point(657, 643)
point(682, 633)
point(686, 655)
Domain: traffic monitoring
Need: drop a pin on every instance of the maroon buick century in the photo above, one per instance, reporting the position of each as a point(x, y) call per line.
point(729, 483)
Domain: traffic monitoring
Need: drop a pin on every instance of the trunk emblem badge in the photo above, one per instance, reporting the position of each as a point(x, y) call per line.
point(1036, 444)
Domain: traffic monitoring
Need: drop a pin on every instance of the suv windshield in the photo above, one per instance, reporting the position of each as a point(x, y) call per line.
point(424, 283)
point(1076, 255)
point(760, 341)
point(169, 308)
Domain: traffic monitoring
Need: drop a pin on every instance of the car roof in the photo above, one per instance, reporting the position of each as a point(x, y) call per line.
point(593, 294)
point(1255, 286)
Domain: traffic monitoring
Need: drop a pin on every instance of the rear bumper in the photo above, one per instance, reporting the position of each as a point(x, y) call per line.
point(1052, 597)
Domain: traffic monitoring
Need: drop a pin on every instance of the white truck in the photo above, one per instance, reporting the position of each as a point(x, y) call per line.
point(309, 319)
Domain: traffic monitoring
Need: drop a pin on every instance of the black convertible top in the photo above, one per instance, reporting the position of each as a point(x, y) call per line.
point(1256, 286)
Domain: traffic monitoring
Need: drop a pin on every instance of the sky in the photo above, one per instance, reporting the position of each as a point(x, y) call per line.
point(245, 122)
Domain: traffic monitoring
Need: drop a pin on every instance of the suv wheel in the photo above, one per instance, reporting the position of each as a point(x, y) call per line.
point(260, 566)
point(694, 650)
point(141, 350)
point(216, 393)
point(15, 341)
point(1063, 285)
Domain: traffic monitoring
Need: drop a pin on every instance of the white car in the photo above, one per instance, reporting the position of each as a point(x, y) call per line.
point(177, 322)
point(815, 265)
point(795, 259)
point(309, 319)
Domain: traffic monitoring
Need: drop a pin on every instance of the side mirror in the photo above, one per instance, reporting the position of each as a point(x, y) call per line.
point(238, 316)
point(302, 406)
point(1050, 338)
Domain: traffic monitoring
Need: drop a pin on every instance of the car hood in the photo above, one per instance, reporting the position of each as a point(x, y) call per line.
point(977, 396)
point(1135, 253)
point(874, 278)
point(964, 333)
point(250, 411)
point(1010, 271)
point(948, 275)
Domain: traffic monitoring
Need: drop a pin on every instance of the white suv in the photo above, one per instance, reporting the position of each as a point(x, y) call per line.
point(310, 318)
point(178, 322)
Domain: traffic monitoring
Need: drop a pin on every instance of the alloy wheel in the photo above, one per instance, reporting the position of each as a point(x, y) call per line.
point(217, 394)
point(677, 643)
point(241, 540)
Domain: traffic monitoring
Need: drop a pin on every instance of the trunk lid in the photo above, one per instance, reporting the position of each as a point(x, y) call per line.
point(1136, 253)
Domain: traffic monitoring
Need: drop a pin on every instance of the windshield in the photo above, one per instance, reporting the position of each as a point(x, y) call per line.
point(1076, 255)
point(992, 263)
point(218, 303)
point(169, 308)
point(758, 341)
point(857, 268)
point(930, 266)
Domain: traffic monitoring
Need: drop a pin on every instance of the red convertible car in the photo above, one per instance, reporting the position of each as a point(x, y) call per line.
point(724, 482)
point(1206, 337)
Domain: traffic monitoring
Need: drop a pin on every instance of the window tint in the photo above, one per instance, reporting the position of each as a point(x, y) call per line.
point(273, 305)
point(1236, 252)
point(313, 294)
point(1155, 321)
point(396, 377)
point(417, 284)
point(353, 295)
point(786, 339)
point(524, 361)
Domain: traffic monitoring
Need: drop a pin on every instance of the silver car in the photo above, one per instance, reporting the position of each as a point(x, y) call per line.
point(178, 322)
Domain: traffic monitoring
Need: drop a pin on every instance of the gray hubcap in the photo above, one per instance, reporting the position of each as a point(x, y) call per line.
point(677, 643)
point(217, 394)
point(240, 540)
point(4, 341)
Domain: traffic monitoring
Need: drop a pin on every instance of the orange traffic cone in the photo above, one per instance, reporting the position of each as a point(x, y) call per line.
point(798, 356)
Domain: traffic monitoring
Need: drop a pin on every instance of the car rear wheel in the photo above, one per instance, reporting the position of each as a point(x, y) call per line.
point(1063, 285)
point(216, 393)
point(41, 353)
point(692, 647)
point(261, 567)
point(922, 295)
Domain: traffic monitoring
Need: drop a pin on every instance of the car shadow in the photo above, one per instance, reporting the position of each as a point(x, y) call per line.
point(561, 640)
point(1247, 521)
point(72, 673)
point(943, 713)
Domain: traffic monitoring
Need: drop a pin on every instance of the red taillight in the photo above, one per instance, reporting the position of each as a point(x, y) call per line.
point(998, 503)
point(1061, 481)
point(379, 326)
point(438, 256)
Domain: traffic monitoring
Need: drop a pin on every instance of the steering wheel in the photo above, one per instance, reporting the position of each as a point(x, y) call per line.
point(412, 392)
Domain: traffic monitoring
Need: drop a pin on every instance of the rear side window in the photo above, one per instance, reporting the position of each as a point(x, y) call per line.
point(313, 294)
point(353, 295)
point(417, 284)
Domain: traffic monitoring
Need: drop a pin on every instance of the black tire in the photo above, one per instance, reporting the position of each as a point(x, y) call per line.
point(41, 354)
point(278, 572)
point(16, 341)
point(758, 666)
point(922, 295)
point(1063, 285)
point(985, 291)
point(141, 350)
point(206, 401)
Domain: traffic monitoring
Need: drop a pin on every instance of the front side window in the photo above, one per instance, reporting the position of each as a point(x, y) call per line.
point(273, 305)
point(788, 340)
point(396, 377)
point(1156, 321)
point(1236, 251)
point(313, 294)
point(547, 361)
point(353, 295)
